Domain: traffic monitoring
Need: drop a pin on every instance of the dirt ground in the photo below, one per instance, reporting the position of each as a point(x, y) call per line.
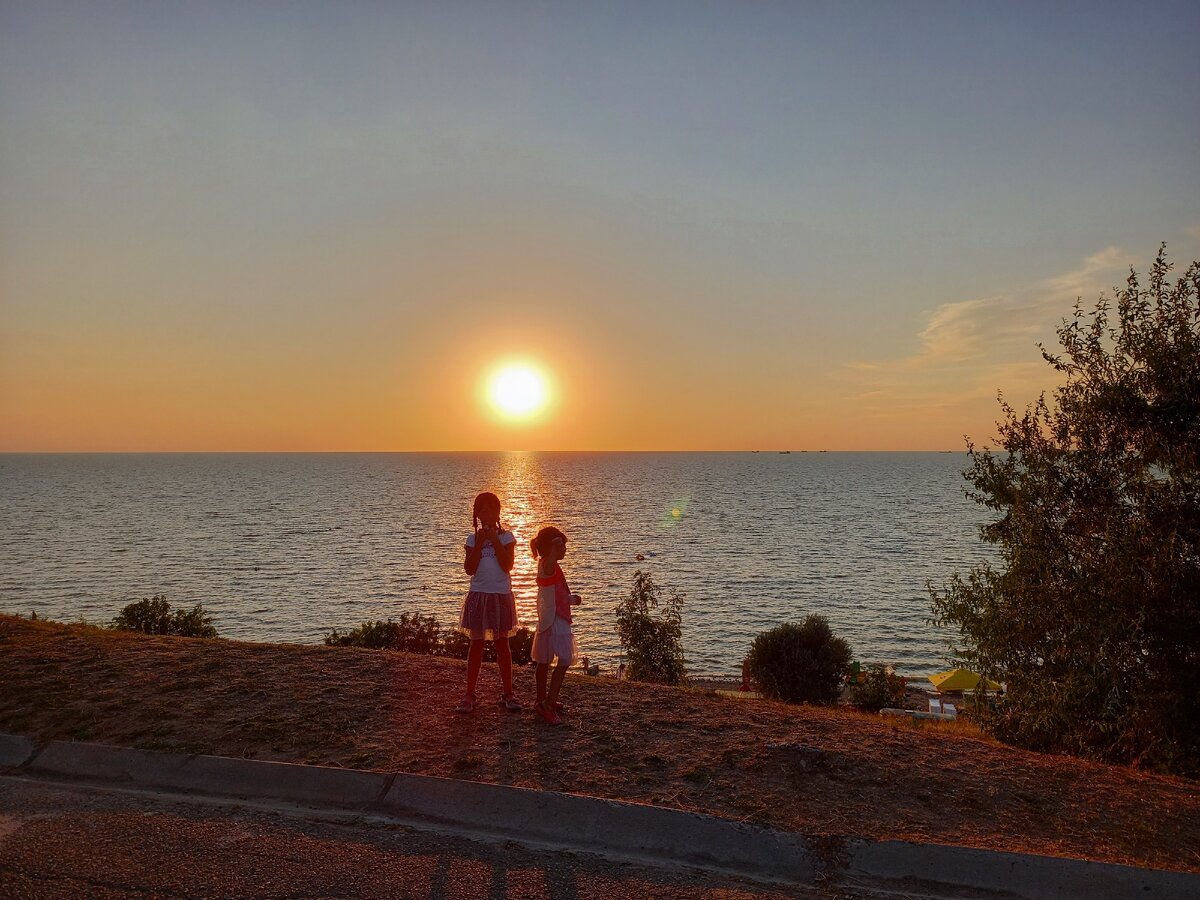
point(682, 747)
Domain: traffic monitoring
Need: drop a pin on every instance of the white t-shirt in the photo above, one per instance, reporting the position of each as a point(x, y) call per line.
point(489, 578)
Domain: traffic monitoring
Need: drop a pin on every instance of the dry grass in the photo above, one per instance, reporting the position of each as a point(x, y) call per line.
point(682, 747)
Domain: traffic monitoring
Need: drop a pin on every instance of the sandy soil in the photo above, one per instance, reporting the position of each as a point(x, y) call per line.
point(681, 747)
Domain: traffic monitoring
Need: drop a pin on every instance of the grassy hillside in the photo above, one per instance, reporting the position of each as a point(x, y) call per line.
point(682, 747)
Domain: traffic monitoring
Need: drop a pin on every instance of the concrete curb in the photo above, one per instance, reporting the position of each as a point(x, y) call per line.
point(218, 775)
point(899, 863)
point(627, 829)
point(582, 823)
point(606, 827)
point(14, 750)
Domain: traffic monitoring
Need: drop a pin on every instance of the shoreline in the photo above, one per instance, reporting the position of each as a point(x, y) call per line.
point(715, 680)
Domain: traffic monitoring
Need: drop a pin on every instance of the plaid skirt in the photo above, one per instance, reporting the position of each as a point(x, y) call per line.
point(488, 616)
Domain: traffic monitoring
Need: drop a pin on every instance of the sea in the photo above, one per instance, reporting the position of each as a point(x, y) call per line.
point(284, 547)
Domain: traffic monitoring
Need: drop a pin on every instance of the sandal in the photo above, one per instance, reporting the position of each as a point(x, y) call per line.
point(511, 703)
point(466, 704)
point(550, 717)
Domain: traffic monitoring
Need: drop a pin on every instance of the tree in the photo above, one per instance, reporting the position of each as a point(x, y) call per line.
point(1092, 616)
point(653, 640)
point(799, 663)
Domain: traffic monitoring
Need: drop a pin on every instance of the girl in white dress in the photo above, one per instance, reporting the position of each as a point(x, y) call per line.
point(554, 638)
point(489, 612)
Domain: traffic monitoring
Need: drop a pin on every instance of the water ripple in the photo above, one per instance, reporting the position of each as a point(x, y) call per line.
point(283, 547)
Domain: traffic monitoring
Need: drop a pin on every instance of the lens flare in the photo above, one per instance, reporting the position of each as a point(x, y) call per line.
point(674, 512)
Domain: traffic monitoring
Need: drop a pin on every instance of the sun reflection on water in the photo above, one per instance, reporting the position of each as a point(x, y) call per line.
point(528, 500)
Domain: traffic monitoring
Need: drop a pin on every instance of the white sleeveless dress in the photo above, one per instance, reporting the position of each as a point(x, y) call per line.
point(554, 637)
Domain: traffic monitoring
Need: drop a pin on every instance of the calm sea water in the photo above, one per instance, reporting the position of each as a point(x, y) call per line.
point(283, 547)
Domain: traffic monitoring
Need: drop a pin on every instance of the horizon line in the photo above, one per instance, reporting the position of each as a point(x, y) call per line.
point(780, 452)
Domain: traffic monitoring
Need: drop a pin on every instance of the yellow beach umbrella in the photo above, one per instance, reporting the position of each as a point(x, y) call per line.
point(961, 680)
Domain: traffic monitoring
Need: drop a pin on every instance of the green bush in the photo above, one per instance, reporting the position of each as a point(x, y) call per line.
point(377, 635)
point(878, 689)
point(153, 615)
point(416, 633)
point(799, 663)
point(413, 633)
point(522, 647)
point(455, 644)
point(652, 639)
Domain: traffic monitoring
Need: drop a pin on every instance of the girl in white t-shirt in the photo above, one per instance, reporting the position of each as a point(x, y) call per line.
point(490, 612)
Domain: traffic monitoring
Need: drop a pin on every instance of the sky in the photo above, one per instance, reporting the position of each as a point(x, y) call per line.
point(726, 226)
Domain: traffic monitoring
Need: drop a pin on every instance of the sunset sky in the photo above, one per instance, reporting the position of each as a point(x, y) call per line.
point(321, 226)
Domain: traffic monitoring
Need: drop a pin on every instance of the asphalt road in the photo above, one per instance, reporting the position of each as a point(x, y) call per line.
point(68, 841)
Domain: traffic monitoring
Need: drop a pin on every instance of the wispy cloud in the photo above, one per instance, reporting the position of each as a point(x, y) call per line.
point(959, 331)
point(1085, 277)
point(969, 349)
point(995, 327)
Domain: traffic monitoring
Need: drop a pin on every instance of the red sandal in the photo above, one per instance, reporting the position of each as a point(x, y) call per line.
point(550, 716)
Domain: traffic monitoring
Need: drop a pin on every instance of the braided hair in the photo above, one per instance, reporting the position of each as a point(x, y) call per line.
point(483, 499)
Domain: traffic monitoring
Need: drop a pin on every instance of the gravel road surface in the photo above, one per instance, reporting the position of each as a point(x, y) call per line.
point(75, 841)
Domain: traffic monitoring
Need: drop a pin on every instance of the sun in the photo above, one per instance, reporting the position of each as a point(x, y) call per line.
point(517, 390)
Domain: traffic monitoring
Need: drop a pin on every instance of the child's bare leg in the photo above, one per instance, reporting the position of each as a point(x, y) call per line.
point(540, 677)
point(504, 659)
point(556, 680)
point(474, 661)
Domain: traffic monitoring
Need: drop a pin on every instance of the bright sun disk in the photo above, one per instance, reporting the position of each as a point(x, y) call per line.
point(517, 390)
